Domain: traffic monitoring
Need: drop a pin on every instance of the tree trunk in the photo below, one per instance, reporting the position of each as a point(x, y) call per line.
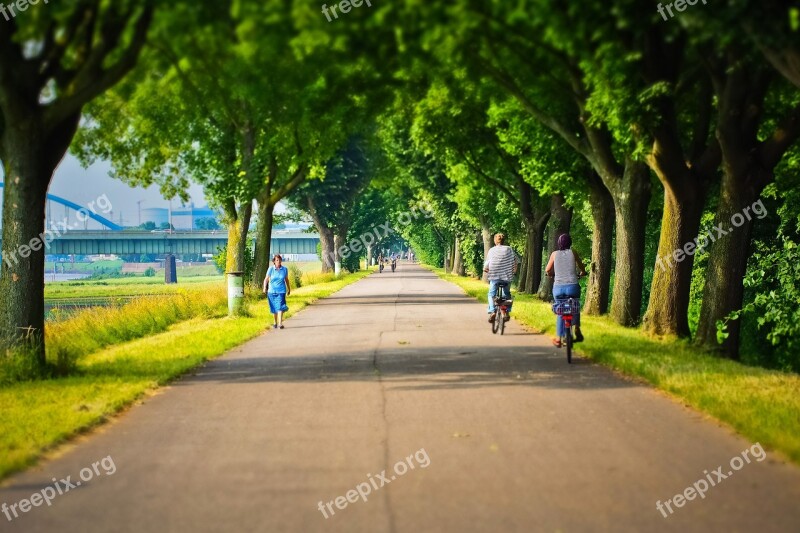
point(22, 280)
point(748, 165)
point(598, 289)
point(534, 242)
point(339, 240)
point(272, 192)
point(326, 239)
point(560, 222)
point(263, 240)
point(631, 197)
point(535, 217)
point(523, 267)
point(486, 237)
point(727, 262)
point(685, 171)
point(237, 238)
point(458, 261)
point(30, 156)
point(667, 311)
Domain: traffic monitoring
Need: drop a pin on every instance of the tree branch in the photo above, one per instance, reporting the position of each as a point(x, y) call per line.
point(92, 80)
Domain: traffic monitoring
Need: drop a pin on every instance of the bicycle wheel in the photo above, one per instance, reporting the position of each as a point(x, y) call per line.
point(501, 316)
point(497, 320)
point(569, 345)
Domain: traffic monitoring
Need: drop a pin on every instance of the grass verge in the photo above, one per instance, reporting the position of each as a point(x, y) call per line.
point(762, 405)
point(38, 415)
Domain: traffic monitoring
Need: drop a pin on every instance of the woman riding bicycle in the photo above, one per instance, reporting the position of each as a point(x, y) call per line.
point(565, 266)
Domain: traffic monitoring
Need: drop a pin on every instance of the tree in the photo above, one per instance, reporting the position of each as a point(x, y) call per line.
point(331, 201)
point(512, 48)
point(206, 223)
point(758, 121)
point(52, 63)
point(247, 111)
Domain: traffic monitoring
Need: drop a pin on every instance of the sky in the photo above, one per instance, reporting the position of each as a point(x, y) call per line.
point(73, 182)
point(83, 185)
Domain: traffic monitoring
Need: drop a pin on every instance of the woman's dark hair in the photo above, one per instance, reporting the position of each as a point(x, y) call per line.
point(564, 241)
point(277, 256)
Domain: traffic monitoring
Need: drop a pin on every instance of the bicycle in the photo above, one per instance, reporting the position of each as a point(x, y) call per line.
point(501, 305)
point(566, 308)
point(394, 265)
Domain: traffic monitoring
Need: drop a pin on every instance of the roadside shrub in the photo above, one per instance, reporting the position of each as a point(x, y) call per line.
point(296, 276)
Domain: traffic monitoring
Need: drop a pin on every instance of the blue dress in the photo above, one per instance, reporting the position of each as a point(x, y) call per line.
point(276, 290)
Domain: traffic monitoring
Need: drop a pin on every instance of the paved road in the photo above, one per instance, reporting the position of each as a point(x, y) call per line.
point(501, 433)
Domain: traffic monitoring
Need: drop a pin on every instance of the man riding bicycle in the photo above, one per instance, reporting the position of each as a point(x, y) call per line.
point(500, 265)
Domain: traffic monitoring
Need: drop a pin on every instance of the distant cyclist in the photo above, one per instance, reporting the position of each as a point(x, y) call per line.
point(500, 265)
point(565, 265)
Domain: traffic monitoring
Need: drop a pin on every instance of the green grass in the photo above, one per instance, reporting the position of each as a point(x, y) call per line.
point(762, 405)
point(132, 286)
point(193, 271)
point(92, 329)
point(306, 266)
point(38, 415)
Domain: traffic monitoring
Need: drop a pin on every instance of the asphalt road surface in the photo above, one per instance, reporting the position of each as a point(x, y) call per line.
point(287, 432)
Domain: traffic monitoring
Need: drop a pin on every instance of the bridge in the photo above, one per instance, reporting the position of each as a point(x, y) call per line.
point(118, 240)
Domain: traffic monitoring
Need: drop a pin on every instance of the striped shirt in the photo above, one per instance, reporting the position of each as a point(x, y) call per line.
point(500, 261)
point(564, 266)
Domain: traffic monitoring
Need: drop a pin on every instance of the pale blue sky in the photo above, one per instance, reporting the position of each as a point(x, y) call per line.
point(83, 185)
point(73, 182)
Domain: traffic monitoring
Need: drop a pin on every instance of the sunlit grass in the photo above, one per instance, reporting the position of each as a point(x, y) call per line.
point(95, 328)
point(763, 405)
point(311, 278)
point(132, 286)
point(37, 415)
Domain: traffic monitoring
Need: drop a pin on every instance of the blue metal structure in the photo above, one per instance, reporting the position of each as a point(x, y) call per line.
point(92, 242)
point(72, 205)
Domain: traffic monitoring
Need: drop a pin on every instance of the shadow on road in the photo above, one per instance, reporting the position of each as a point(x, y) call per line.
point(410, 369)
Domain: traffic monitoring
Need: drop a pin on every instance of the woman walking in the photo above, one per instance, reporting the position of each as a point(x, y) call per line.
point(565, 265)
point(277, 288)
